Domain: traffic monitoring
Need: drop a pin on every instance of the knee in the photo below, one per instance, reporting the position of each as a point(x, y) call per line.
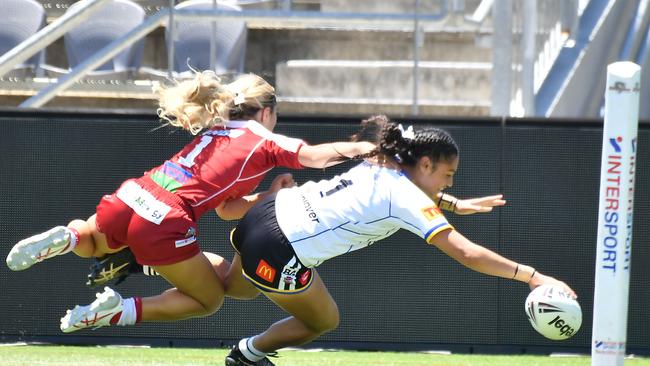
point(333, 321)
point(211, 306)
point(214, 306)
point(210, 301)
point(205, 309)
point(80, 225)
point(86, 245)
point(327, 323)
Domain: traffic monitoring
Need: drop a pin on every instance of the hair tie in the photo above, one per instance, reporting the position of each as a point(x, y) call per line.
point(407, 134)
point(240, 98)
point(398, 158)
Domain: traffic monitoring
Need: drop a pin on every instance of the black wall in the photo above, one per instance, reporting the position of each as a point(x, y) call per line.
point(398, 294)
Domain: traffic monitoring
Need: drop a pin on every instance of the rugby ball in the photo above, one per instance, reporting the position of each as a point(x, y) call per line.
point(553, 312)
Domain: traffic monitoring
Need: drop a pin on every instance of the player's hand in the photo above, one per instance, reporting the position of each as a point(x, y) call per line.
point(478, 205)
point(282, 181)
point(539, 279)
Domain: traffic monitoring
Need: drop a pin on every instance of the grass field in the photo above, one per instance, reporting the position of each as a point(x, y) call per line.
point(122, 356)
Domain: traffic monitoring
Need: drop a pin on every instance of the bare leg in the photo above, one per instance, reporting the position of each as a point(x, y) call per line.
point(91, 242)
point(313, 311)
point(220, 265)
point(58, 241)
point(198, 291)
point(236, 285)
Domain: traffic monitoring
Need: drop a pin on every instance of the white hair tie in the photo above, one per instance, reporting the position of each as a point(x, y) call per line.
point(407, 134)
point(240, 98)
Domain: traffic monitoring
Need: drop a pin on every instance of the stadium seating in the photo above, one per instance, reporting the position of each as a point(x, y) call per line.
point(21, 19)
point(110, 22)
point(360, 67)
point(192, 40)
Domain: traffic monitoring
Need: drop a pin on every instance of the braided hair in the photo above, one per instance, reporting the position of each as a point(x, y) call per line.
point(433, 142)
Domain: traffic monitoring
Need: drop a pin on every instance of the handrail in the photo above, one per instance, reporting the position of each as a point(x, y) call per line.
point(387, 21)
point(481, 12)
point(417, 43)
point(331, 19)
point(103, 55)
point(171, 27)
point(48, 34)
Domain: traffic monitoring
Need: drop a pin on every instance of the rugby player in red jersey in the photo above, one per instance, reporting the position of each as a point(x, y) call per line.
point(156, 215)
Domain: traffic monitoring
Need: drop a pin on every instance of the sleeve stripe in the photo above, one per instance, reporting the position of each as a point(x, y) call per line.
point(436, 229)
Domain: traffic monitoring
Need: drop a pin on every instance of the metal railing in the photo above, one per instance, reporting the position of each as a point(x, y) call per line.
point(538, 26)
point(540, 29)
point(47, 35)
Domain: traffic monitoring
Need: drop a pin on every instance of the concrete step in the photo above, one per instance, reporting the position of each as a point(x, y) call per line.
point(280, 45)
point(268, 47)
point(393, 6)
point(467, 82)
point(124, 94)
point(270, 44)
point(392, 107)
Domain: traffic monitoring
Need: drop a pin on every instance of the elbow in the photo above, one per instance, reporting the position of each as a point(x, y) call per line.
point(226, 216)
point(470, 259)
point(467, 256)
point(309, 162)
point(464, 251)
point(316, 157)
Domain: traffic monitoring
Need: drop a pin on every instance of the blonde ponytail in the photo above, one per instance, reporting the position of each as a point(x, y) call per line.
point(196, 104)
point(203, 102)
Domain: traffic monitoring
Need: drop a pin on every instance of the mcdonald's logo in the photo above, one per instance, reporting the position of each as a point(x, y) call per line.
point(265, 271)
point(431, 212)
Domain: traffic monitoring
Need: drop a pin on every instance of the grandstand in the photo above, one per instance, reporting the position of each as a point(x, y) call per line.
point(443, 57)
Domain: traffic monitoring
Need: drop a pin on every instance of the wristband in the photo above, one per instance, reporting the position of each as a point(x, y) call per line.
point(447, 204)
point(532, 275)
point(516, 271)
point(524, 273)
point(439, 199)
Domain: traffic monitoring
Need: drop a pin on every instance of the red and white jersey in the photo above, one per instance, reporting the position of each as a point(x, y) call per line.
point(225, 163)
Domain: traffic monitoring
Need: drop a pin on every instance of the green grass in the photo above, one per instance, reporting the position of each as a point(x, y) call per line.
point(134, 356)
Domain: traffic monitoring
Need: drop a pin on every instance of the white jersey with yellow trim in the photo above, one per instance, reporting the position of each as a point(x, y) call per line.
point(367, 203)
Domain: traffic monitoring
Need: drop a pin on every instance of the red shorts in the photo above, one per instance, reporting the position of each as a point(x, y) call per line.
point(155, 223)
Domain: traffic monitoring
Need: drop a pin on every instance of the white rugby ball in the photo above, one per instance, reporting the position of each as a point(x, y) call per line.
point(553, 312)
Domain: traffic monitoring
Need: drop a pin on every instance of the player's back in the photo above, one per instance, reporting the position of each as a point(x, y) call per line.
point(345, 213)
point(224, 163)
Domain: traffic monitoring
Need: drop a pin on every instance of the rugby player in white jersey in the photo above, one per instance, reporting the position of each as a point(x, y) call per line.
point(285, 236)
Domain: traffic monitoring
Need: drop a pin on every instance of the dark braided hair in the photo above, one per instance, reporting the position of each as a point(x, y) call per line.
point(433, 142)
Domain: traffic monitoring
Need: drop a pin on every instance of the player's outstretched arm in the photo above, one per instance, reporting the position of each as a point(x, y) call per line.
point(326, 155)
point(483, 260)
point(469, 206)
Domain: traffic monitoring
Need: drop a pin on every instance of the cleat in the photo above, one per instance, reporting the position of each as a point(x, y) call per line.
point(115, 266)
point(38, 248)
point(236, 358)
point(98, 314)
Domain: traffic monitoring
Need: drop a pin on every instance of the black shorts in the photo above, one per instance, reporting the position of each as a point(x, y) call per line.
point(268, 260)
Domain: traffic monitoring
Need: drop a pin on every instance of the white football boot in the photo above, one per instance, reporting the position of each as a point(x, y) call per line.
point(96, 315)
point(38, 248)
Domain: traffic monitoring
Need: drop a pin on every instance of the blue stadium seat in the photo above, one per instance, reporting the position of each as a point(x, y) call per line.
point(20, 20)
point(192, 40)
point(110, 22)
